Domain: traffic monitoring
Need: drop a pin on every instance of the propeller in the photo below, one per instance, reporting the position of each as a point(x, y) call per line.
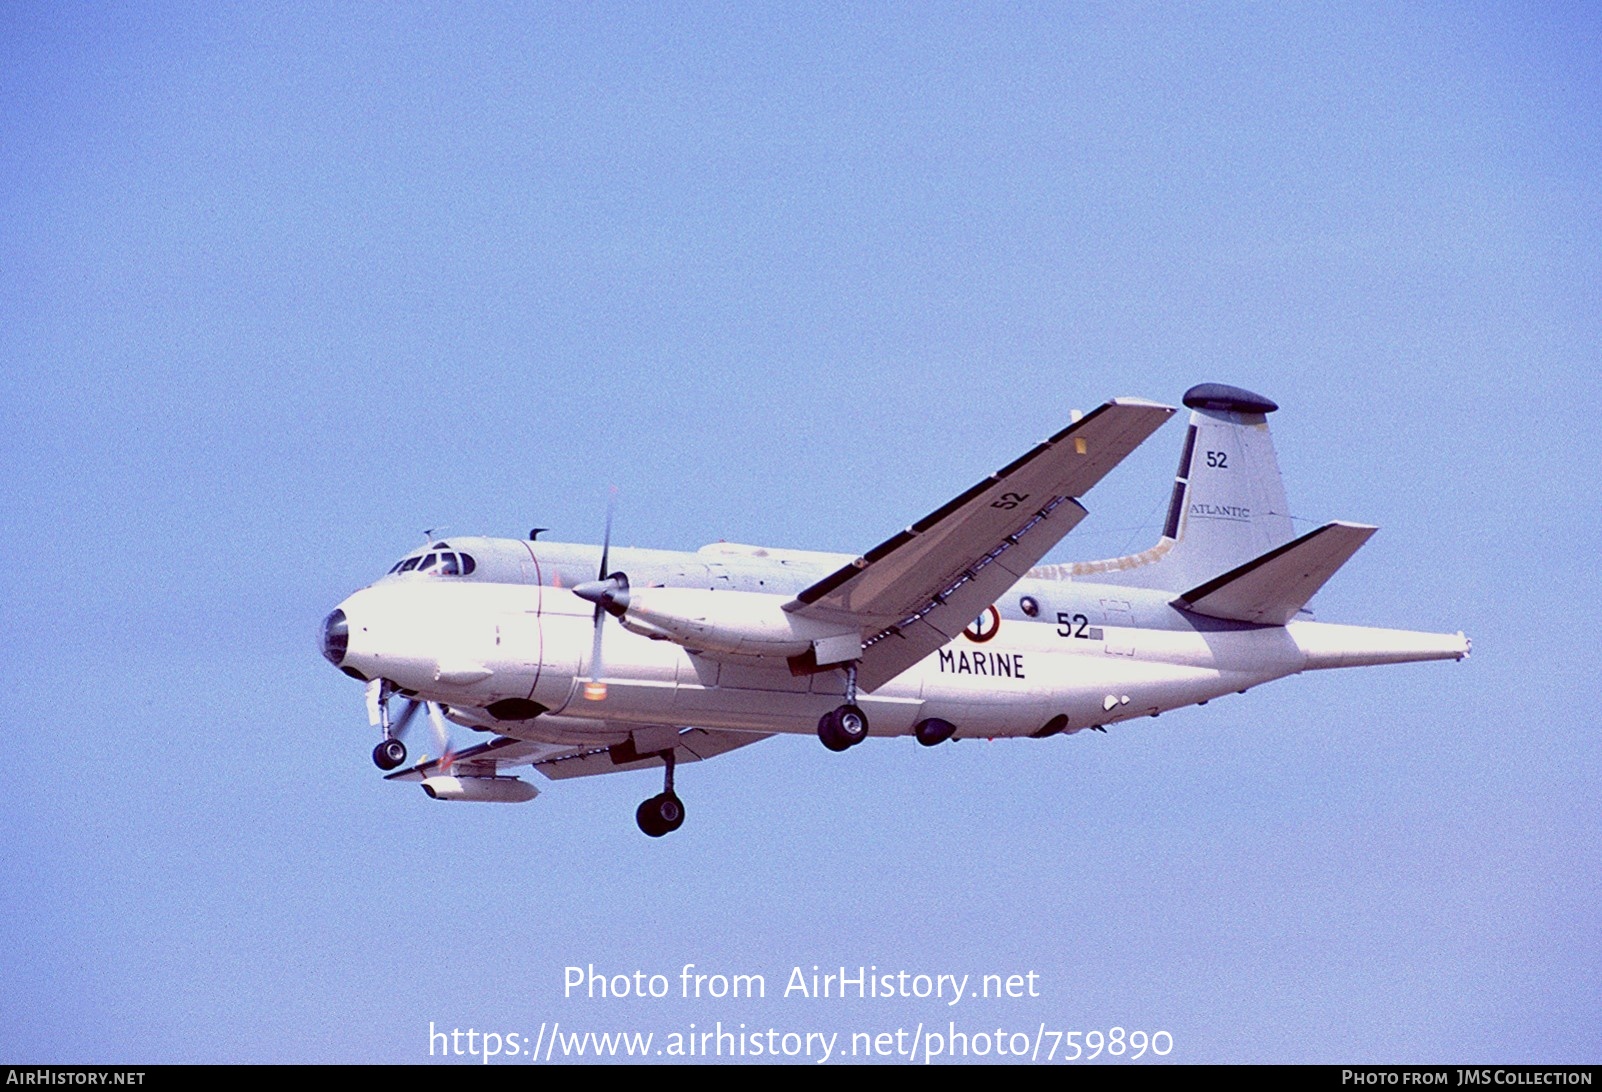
point(610, 594)
point(436, 720)
point(397, 730)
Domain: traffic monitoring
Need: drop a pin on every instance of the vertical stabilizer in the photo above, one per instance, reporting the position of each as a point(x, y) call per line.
point(1228, 503)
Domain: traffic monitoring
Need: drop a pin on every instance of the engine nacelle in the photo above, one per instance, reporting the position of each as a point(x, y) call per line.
point(494, 790)
point(739, 623)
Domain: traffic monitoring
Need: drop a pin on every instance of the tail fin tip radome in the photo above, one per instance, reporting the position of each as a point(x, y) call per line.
point(1221, 396)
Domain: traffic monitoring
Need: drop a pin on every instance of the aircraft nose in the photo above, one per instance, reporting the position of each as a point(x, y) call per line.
point(336, 637)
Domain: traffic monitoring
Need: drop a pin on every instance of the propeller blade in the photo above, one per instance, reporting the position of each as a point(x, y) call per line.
point(442, 736)
point(398, 729)
point(606, 544)
point(595, 689)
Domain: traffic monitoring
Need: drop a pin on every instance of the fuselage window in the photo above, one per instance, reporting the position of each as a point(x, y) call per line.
point(409, 564)
point(395, 568)
point(428, 562)
point(447, 565)
point(467, 564)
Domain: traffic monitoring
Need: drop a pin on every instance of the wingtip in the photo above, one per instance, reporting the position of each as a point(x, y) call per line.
point(1147, 403)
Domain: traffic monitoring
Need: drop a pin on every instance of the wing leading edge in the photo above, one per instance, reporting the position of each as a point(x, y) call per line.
point(560, 761)
point(917, 590)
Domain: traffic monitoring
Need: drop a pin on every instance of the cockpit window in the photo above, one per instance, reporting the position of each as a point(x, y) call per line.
point(436, 564)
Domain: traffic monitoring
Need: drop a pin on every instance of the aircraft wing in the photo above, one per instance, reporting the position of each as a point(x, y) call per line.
point(694, 744)
point(914, 592)
point(558, 761)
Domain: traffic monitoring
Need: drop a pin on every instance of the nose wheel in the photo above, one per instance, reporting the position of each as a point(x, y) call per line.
point(389, 754)
point(664, 812)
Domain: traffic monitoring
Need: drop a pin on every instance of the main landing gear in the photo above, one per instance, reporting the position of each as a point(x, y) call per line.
point(663, 813)
point(842, 728)
point(847, 725)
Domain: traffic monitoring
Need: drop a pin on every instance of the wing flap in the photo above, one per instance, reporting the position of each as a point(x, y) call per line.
point(1272, 587)
point(693, 745)
point(919, 588)
point(896, 647)
point(898, 576)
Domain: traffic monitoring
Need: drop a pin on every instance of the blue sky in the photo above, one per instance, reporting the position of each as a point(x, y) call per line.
point(281, 287)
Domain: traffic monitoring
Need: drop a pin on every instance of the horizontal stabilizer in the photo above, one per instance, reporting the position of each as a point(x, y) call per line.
point(1272, 587)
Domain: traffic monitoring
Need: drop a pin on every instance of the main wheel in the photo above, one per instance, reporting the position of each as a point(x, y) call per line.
point(830, 734)
point(671, 811)
point(389, 754)
point(645, 816)
point(852, 724)
point(844, 727)
point(825, 732)
point(661, 814)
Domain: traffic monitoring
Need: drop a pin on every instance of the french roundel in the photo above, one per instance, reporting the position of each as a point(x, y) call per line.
point(984, 627)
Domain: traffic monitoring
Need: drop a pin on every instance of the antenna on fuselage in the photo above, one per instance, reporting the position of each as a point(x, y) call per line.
point(431, 533)
point(534, 535)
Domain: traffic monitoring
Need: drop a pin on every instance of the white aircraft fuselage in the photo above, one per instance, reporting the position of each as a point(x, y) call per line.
point(580, 660)
point(1095, 654)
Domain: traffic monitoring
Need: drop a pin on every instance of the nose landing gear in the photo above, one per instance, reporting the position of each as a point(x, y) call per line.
point(389, 754)
point(664, 812)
